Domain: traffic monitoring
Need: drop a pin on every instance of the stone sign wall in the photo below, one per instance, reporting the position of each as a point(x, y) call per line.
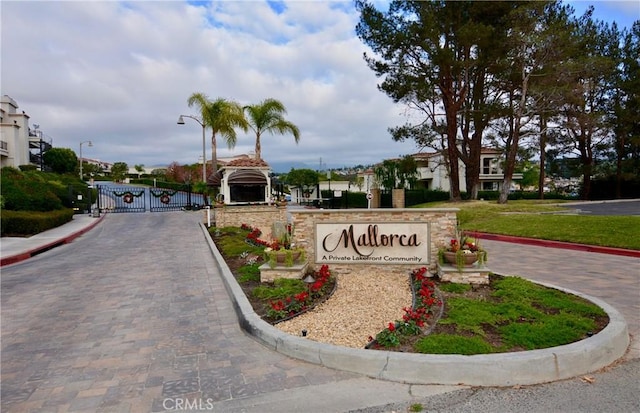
point(416, 235)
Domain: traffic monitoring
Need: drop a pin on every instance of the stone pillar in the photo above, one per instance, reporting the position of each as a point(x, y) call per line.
point(375, 200)
point(397, 198)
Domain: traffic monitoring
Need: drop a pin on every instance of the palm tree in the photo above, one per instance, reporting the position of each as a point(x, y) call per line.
point(267, 116)
point(222, 116)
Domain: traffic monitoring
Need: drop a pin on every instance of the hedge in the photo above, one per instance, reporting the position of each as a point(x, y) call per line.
point(25, 223)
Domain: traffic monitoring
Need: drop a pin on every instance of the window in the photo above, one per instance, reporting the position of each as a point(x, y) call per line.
point(486, 166)
point(489, 186)
point(247, 193)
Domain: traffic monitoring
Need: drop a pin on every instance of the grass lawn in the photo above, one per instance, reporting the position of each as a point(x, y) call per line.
point(512, 314)
point(536, 219)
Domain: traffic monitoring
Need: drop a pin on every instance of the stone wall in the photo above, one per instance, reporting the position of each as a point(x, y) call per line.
point(257, 216)
point(443, 224)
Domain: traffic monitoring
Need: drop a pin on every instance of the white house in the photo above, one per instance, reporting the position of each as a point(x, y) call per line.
point(433, 174)
point(338, 188)
point(19, 144)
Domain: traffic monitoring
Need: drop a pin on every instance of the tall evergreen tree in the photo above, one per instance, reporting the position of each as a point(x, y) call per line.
point(626, 108)
point(422, 60)
point(586, 113)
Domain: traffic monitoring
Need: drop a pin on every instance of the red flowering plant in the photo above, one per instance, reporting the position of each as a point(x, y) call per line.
point(462, 245)
point(291, 306)
point(288, 307)
point(253, 237)
point(415, 318)
point(322, 278)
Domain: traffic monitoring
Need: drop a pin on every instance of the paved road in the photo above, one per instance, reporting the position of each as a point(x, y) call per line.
point(133, 317)
point(614, 207)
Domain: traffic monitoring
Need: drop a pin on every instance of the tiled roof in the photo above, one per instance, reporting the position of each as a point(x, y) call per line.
point(425, 154)
point(248, 163)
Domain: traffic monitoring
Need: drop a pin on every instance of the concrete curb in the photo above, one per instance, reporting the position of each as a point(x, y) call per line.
point(505, 369)
point(12, 259)
point(554, 244)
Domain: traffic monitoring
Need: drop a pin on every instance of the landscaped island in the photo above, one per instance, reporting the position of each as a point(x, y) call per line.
point(508, 314)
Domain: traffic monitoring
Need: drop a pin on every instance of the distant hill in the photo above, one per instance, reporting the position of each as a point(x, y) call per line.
point(284, 167)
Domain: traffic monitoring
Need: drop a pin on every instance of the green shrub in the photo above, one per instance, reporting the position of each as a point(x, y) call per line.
point(249, 273)
point(24, 223)
point(553, 331)
point(28, 195)
point(452, 344)
point(281, 288)
point(455, 288)
point(43, 191)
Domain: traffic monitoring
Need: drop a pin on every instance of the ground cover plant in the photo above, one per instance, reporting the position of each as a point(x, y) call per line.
point(509, 314)
point(539, 219)
point(243, 251)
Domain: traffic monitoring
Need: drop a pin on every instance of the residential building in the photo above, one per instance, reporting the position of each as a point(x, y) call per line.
point(19, 144)
point(433, 174)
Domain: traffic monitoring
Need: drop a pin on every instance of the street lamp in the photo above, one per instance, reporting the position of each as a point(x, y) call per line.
point(89, 144)
point(204, 155)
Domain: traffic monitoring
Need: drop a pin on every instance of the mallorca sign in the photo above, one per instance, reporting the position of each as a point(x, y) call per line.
point(372, 243)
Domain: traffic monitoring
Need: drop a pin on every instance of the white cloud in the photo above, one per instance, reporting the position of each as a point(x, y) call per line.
point(120, 73)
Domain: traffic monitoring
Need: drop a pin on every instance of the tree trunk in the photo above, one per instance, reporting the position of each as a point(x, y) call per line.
point(258, 146)
point(451, 108)
point(508, 171)
point(619, 156)
point(454, 172)
point(586, 158)
point(472, 172)
point(214, 156)
point(543, 158)
point(512, 148)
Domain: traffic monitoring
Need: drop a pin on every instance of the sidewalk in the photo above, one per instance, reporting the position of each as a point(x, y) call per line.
point(16, 249)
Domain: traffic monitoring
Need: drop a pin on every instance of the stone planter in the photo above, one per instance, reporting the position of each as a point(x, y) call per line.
point(469, 259)
point(281, 257)
point(286, 258)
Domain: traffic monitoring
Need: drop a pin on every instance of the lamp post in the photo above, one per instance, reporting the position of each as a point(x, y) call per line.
point(204, 155)
point(89, 144)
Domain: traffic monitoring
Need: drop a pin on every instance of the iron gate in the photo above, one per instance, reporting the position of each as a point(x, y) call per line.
point(134, 199)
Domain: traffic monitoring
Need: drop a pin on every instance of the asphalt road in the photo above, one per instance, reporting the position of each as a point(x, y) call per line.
point(619, 207)
point(595, 393)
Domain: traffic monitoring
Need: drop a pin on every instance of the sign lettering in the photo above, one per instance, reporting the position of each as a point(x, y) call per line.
point(358, 243)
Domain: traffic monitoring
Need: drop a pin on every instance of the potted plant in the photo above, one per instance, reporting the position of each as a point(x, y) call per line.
point(282, 251)
point(281, 254)
point(462, 251)
point(281, 201)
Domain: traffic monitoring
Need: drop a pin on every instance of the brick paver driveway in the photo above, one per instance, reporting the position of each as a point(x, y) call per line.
point(130, 317)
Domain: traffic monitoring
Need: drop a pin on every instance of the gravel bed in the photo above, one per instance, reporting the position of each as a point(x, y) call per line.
point(362, 306)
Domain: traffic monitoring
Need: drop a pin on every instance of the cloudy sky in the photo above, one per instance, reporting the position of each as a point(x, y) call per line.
point(119, 74)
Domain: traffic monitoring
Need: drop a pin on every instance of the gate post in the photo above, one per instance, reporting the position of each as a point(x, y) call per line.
point(99, 187)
